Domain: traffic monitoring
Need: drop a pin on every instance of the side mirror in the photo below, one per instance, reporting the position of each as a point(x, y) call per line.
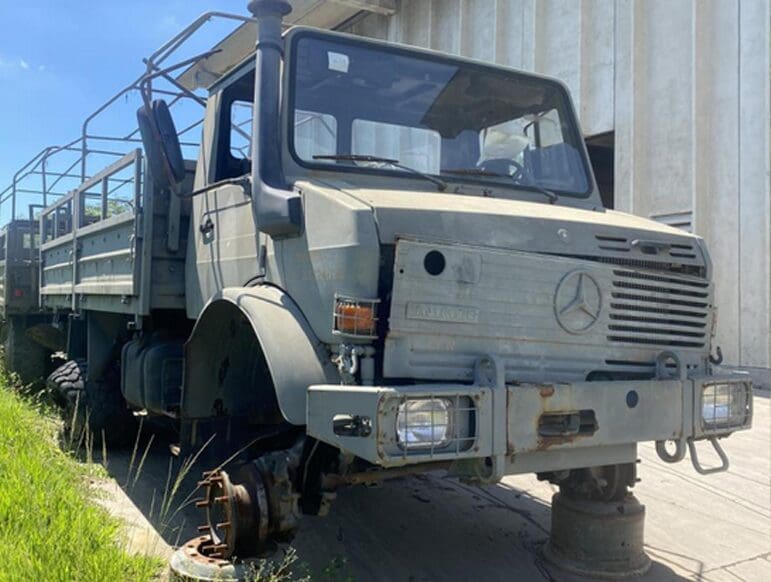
point(161, 144)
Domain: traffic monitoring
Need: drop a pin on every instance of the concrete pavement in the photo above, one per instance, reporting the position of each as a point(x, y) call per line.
point(708, 528)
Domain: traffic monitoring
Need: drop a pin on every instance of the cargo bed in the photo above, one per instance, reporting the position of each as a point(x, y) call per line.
point(119, 254)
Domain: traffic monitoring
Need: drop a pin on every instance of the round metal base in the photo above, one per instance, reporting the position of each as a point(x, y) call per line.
point(190, 564)
point(597, 539)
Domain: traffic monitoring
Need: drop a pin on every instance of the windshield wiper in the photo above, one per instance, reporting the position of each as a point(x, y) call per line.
point(552, 196)
point(440, 184)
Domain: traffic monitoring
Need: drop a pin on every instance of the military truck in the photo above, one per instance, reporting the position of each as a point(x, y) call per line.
point(385, 260)
point(26, 350)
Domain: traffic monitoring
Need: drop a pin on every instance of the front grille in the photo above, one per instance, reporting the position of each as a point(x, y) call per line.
point(657, 310)
point(663, 266)
point(514, 296)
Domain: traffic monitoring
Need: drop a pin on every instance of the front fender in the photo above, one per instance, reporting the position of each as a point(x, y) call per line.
point(216, 363)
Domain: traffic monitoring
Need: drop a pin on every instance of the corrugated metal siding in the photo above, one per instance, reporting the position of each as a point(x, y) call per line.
point(684, 84)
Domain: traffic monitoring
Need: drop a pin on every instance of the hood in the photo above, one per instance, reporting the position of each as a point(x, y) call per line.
point(533, 227)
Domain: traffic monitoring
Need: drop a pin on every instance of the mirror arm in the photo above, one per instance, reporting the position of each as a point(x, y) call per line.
point(244, 181)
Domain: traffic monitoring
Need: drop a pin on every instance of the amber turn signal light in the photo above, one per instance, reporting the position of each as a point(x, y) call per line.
point(355, 316)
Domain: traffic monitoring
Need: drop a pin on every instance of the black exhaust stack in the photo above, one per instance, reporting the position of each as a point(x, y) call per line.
point(277, 208)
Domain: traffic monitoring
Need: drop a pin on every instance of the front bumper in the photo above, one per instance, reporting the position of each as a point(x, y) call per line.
point(527, 428)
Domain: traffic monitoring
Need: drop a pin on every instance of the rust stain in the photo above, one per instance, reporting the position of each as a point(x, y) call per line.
point(546, 391)
point(546, 442)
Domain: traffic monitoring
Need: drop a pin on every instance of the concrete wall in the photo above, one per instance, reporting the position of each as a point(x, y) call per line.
point(684, 84)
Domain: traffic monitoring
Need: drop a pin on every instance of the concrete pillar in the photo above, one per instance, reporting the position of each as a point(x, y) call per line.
point(754, 183)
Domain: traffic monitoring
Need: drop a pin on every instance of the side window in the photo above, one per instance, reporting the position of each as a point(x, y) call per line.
point(314, 134)
point(241, 129)
point(532, 148)
point(415, 147)
point(550, 128)
point(232, 155)
point(510, 139)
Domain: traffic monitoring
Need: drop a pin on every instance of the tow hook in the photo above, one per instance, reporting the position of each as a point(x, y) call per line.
point(708, 470)
point(679, 454)
point(348, 360)
point(675, 457)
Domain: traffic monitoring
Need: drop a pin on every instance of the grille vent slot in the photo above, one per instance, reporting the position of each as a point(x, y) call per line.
point(664, 267)
point(657, 310)
point(612, 243)
point(621, 244)
point(680, 251)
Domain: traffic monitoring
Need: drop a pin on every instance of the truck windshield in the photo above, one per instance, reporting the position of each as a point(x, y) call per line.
point(460, 121)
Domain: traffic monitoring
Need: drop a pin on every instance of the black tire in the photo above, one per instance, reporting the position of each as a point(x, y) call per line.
point(101, 403)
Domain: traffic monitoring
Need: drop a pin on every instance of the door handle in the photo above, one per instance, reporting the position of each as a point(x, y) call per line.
point(207, 227)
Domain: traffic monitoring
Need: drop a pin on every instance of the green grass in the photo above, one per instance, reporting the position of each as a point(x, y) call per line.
point(49, 528)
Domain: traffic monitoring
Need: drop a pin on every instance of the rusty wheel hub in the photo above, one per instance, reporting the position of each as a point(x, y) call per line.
point(236, 513)
point(258, 505)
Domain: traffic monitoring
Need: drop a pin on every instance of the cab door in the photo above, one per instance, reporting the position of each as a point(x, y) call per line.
point(223, 233)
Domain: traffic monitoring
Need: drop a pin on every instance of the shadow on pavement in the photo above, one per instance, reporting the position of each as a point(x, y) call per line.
point(155, 487)
point(420, 528)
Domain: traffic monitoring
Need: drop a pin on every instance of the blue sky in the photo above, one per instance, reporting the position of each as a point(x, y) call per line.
point(60, 59)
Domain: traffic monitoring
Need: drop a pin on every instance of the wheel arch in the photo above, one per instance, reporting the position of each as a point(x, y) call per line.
point(252, 352)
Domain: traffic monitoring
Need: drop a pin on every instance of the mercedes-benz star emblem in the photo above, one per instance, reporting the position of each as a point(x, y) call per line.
point(577, 302)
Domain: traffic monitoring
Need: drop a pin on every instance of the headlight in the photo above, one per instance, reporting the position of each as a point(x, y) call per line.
point(424, 423)
point(726, 405)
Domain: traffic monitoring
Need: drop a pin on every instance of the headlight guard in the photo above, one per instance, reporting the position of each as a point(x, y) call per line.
point(724, 406)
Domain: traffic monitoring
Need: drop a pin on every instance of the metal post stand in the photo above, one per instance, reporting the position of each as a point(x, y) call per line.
point(599, 539)
point(190, 564)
